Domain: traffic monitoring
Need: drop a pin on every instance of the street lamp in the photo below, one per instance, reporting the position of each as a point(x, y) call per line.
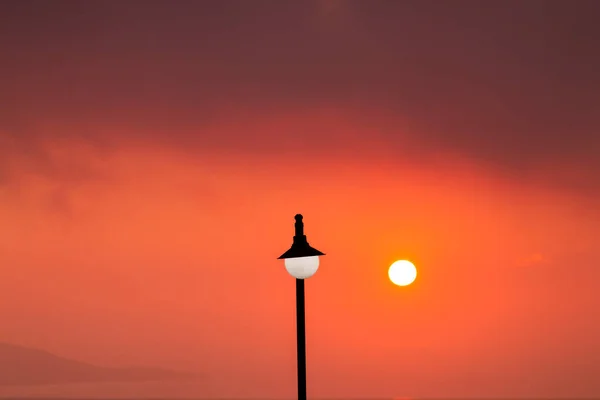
point(301, 261)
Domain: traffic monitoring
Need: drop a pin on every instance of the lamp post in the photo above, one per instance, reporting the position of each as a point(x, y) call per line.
point(301, 261)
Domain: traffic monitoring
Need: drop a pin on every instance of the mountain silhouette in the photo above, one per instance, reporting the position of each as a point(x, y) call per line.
point(26, 366)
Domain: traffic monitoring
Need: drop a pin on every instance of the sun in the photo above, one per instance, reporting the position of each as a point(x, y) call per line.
point(402, 273)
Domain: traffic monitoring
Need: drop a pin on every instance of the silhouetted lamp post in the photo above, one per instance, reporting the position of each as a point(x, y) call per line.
point(301, 261)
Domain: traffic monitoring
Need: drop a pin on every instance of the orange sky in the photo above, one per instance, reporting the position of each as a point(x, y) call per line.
point(152, 159)
point(161, 257)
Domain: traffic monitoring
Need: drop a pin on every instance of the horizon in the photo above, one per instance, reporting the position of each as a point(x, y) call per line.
point(316, 398)
point(188, 397)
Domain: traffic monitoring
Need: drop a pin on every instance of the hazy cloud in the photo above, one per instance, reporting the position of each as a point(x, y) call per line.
point(532, 260)
point(512, 85)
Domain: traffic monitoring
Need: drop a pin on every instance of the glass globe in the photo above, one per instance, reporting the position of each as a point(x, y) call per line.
point(302, 267)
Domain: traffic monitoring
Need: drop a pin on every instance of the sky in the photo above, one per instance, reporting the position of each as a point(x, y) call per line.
point(153, 155)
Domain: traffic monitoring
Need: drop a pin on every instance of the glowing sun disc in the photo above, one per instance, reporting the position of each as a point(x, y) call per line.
point(402, 273)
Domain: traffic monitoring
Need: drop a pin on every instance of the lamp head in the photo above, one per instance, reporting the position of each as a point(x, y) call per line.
point(301, 260)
